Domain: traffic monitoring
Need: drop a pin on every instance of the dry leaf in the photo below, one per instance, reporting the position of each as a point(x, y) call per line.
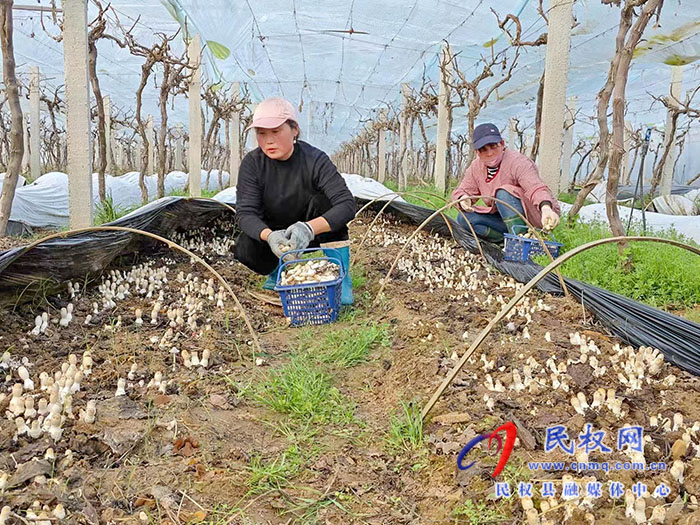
point(198, 516)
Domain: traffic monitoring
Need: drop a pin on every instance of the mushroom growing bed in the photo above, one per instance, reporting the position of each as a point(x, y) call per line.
point(128, 399)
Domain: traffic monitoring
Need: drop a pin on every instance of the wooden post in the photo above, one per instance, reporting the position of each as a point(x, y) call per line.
point(442, 144)
point(381, 149)
point(568, 146)
point(554, 95)
point(674, 99)
point(403, 139)
point(195, 123)
point(35, 122)
point(107, 104)
point(235, 140)
point(75, 68)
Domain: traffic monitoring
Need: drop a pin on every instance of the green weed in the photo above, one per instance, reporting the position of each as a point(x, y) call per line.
point(406, 428)
point(304, 391)
point(344, 347)
point(107, 211)
point(275, 474)
point(479, 513)
point(661, 275)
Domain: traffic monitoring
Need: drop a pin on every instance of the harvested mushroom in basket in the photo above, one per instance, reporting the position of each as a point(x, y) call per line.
point(311, 272)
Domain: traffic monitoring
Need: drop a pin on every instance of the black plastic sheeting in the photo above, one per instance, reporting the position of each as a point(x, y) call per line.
point(52, 263)
point(47, 266)
point(635, 323)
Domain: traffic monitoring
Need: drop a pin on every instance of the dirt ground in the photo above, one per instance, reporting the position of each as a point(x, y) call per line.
point(206, 444)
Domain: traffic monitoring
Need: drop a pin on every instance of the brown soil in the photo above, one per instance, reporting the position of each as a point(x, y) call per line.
point(184, 454)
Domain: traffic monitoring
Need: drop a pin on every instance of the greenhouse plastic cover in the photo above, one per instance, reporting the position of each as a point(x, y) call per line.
point(44, 203)
point(293, 48)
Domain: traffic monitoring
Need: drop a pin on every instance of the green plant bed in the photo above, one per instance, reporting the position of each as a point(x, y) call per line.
point(661, 275)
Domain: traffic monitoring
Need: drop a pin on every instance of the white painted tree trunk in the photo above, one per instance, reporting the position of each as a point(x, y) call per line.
point(195, 123)
point(405, 161)
point(554, 95)
point(675, 96)
point(568, 146)
point(107, 104)
point(179, 145)
point(381, 150)
point(35, 121)
point(75, 67)
point(235, 140)
point(442, 144)
point(25, 135)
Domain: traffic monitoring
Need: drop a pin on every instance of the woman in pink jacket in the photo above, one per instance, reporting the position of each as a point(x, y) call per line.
point(509, 176)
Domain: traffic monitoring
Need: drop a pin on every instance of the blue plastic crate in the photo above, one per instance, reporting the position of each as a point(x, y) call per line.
point(521, 249)
point(317, 303)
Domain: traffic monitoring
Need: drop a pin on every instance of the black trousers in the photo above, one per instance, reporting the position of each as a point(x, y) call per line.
point(258, 256)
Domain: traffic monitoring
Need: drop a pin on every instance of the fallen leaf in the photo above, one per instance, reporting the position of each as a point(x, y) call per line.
point(200, 515)
point(161, 400)
point(219, 401)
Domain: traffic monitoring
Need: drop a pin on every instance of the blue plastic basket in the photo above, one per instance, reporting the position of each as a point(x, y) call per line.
point(521, 249)
point(317, 303)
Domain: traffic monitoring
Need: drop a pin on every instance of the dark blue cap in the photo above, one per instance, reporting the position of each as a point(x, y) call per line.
point(485, 134)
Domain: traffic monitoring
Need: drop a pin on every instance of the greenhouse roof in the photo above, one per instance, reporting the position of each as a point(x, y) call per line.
point(342, 61)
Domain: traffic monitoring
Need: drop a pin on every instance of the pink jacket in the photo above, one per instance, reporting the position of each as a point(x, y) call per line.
point(518, 176)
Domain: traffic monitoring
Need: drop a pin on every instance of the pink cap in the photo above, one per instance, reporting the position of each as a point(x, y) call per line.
point(272, 113)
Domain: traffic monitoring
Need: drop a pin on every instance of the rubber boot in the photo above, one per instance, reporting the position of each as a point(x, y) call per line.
point(271, 280)
point(346, 295)
point(515, 221)
point(492, 235)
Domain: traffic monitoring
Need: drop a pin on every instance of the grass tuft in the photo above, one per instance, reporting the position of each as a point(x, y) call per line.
point(304, 391)
point(478, 513)
point(662, 275)
point(406, 428)
point(344, 347)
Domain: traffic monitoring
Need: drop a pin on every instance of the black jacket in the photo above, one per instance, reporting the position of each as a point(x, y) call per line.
point(277, 193)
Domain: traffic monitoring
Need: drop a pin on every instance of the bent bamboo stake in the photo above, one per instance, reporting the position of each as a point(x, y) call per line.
point(170, 244)
point(521, 293)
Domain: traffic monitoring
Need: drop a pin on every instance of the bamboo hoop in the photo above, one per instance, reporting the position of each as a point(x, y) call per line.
point(521, 293)
point(170, 244)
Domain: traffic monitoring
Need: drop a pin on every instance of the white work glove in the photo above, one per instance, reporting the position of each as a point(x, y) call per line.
point(550, 219)
point(279, 242)
point(466, 205)
point(300, 235)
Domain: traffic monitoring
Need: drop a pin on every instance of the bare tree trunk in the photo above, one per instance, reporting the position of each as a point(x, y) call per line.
point(538, 119)
point(578, 168)
point(141, 128)
point(471, 118)
point(16, 139)
point(101, 126)
point(163, 103)
point(668, 146)
point(618, 107)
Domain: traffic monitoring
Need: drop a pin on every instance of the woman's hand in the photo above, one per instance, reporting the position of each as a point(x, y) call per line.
point(279, 242)
point(550, 219)
point(300, 235)
point(466, 205)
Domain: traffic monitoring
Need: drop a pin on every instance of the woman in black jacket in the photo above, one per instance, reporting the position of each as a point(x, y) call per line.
point(289, 194)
